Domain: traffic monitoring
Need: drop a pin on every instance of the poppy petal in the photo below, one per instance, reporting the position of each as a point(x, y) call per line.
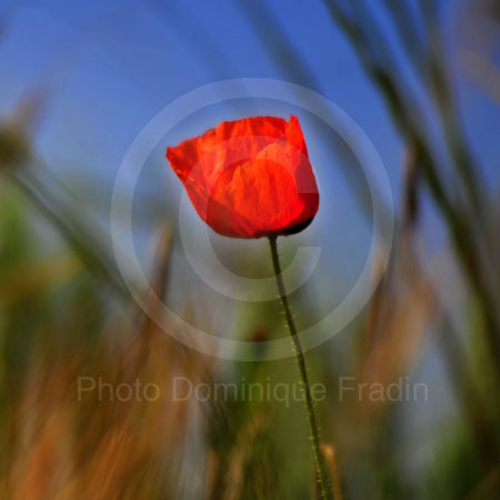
point(249, 178)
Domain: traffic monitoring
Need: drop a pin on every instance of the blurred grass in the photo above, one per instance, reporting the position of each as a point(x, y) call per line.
point(65, 313)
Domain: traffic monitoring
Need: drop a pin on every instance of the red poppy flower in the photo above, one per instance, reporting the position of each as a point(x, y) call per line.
point(249, 178)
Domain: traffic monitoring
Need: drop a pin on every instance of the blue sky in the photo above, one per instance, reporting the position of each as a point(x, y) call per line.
point(108, 67)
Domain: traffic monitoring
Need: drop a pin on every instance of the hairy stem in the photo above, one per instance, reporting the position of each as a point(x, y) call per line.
point(321, 470)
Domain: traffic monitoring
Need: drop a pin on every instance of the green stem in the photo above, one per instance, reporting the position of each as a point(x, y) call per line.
point(321, 470)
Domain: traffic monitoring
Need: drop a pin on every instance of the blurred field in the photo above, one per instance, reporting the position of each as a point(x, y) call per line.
point(65, 312)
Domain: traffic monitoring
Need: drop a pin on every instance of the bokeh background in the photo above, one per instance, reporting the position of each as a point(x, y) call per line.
point(79, 82)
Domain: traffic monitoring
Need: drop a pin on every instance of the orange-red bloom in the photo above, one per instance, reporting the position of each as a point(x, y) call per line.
point(249, 178)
